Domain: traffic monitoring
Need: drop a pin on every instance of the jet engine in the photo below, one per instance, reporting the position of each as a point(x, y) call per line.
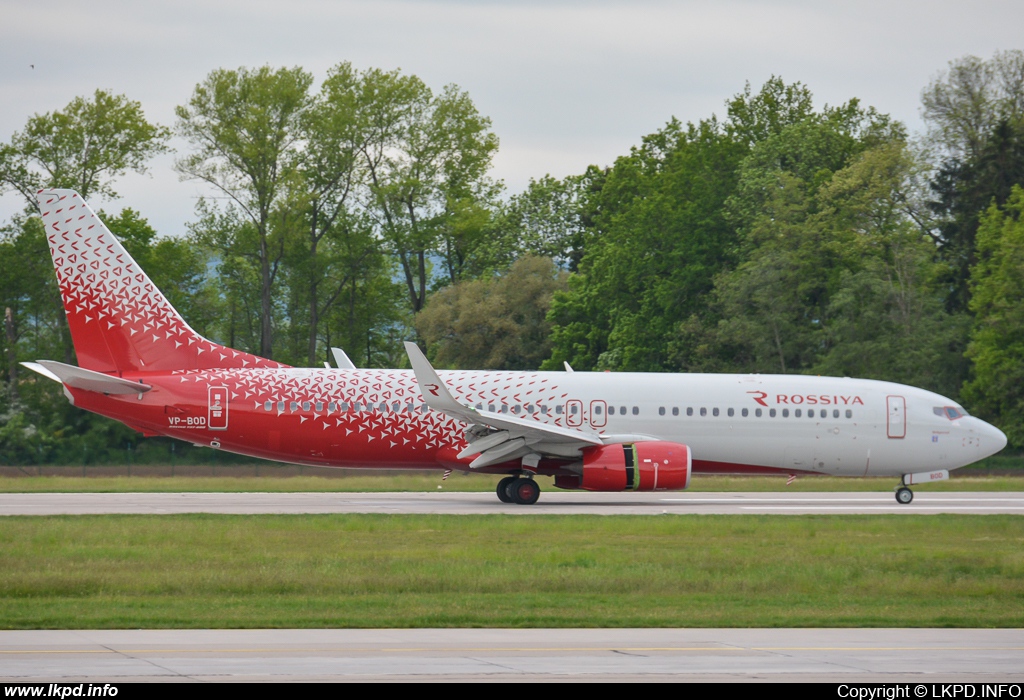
point(639, 466)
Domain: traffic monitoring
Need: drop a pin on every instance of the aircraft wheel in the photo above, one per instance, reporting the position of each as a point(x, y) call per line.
point(526, 491)
point(503, 491)
point(904, 495)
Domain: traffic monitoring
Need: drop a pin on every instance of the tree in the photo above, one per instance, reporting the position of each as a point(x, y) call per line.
point(661, 234)
point(426, 158)
point(996, 386)
point(83, 147)
point(963, 104)
point(245, 127)
point(494, 323)
point(550, 218)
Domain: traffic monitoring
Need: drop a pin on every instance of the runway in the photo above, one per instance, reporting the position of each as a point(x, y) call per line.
point(551, 503)
point(917, 656)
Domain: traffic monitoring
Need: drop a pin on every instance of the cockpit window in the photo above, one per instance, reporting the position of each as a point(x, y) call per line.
point(950, 412)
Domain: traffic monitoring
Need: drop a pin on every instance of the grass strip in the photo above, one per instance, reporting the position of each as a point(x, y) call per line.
point(219, 571)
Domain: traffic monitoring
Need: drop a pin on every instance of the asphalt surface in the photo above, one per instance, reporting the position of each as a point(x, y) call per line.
point(551, 503)
point(916, 656)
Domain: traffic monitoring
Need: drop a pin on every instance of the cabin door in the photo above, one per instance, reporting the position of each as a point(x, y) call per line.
point(897, 421)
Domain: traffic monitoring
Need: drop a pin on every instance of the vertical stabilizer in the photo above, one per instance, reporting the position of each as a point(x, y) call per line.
point(119, 320)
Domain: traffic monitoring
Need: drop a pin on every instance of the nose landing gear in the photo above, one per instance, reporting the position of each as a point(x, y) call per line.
point(518, 489)
point(903, 494)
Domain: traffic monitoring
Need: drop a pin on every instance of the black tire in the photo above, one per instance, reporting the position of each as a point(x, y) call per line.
point(526, 491)
point(904, 495)
point(503, 495)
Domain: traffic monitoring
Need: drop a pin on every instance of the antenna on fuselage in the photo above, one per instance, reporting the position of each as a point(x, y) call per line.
point(568, 368)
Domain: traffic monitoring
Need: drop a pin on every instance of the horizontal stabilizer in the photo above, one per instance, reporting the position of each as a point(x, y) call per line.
point(86, 379)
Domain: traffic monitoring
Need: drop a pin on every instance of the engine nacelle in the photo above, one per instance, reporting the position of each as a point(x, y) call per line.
point(637, 466)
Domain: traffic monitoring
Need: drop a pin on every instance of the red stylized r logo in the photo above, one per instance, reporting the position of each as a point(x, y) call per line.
point(434, 387)
point(759, 396)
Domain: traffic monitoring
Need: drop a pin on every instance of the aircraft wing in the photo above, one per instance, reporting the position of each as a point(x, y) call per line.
point(499, 437)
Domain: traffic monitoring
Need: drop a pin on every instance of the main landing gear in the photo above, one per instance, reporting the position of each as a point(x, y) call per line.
point(518, 489)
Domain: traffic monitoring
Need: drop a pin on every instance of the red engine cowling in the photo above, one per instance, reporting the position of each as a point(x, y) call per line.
point(639, 466)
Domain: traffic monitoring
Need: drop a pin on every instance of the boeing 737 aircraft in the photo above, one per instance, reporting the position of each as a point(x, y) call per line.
point(141, 364)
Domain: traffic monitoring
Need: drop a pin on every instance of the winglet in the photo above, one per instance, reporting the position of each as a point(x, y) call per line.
point(435, 393)
point(341, 359)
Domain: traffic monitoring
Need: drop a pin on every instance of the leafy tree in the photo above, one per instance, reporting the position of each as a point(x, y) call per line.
point(551, 218)
point(245, 127)
point(975, 117)
point(83, 147)
point(963, 104)
point(662, 234)
point(427, 159)
point(996, 386)
point(493, 323)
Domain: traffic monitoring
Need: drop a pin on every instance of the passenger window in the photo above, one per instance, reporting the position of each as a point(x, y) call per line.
point(515, 409)
point(771, 412)
point(319, 405)
point(597, 410)
point(332, 407)
point(490, 407)
point(675, 410)
point(731, 413)
point(280, 406)
point(544, 410)
point(689, 410)
point(810, 413)
point(268, 406)
point(745, 412)
point(796, 413)
point(785, 413)
point(529, 409)
point(714, 412)
point(849, 413)
point(636, 410)
point(757, 412)
point(504, 408)
point(703, 411)
point(835, 412)
point(558, 410)
point(661, 410)
point(305, 405)
point(294, 406)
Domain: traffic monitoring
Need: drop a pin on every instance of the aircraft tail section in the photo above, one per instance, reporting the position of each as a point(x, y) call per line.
point(119, 320)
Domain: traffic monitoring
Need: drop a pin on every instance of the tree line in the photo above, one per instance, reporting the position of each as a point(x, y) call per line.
point(780, 237)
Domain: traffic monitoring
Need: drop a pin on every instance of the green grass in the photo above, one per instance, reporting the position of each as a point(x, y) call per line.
point(458, 481)
point(213, 571)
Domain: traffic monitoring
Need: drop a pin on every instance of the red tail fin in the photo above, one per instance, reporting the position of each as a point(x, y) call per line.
point(119, 319)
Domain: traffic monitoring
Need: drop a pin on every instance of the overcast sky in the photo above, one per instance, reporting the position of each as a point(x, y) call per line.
point(566, 84)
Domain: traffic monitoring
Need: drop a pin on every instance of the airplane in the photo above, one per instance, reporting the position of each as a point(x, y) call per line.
point(140, 363)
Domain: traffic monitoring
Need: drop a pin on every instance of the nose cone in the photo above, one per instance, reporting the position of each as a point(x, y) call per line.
point(993, 439)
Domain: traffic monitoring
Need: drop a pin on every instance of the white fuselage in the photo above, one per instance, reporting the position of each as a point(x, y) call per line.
point(827, 425)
